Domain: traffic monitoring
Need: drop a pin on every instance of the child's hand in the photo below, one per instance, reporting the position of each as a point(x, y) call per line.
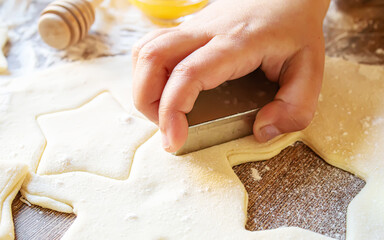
point(226, 40)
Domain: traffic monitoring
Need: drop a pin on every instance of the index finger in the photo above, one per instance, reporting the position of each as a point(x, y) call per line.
point(206, 68)
point(155, 61)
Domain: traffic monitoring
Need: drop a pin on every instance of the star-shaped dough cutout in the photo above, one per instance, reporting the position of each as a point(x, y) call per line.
point(99, 137)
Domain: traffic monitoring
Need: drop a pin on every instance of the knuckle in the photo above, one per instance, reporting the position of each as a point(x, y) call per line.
point(241, 33)
point(138, 104)
point(163, 31)
point(184, 70)
point(235, 37)
point(136, 48)
point(149, 53)
point(164, 111)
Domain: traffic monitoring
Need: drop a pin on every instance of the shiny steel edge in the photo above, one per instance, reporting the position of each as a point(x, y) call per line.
point(218, 131)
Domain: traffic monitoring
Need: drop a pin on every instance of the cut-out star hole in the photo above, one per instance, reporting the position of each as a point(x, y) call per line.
point(35, 223)
point(298, 188)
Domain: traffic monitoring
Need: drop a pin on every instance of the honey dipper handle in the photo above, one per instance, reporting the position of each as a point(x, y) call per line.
point(64, 23)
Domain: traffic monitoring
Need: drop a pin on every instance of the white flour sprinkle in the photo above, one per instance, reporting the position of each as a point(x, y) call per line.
point(255, 174)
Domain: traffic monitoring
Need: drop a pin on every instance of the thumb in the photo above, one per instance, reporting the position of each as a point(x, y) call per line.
point(295, 103)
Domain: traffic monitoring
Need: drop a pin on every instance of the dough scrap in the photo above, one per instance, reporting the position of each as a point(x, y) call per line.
point(11, 178)
point(196, 195)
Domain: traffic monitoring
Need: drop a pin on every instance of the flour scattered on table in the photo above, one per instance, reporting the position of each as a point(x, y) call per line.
point(379, 51)
point(255, 174)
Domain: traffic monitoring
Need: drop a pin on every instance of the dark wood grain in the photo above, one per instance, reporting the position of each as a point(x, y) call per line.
point(297, 188)
point(355, 31)
point(36, 223)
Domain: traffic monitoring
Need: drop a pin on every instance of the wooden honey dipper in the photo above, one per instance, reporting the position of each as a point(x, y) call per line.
point(64, 23)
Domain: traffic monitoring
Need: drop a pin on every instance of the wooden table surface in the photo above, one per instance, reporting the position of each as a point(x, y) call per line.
point(295, 188)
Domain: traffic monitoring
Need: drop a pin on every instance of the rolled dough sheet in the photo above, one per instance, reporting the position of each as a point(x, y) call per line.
point(195, 196)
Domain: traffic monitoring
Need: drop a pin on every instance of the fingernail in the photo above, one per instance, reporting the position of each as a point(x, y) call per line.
point(165, 141)
point(268, 132)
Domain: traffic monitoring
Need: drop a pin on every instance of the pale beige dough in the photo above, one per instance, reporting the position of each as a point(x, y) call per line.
point(195, 196)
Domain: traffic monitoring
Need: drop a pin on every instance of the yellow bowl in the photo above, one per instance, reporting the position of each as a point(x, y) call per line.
point(168, 10)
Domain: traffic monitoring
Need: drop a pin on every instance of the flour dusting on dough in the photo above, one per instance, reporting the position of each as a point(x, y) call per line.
point(215, 197)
